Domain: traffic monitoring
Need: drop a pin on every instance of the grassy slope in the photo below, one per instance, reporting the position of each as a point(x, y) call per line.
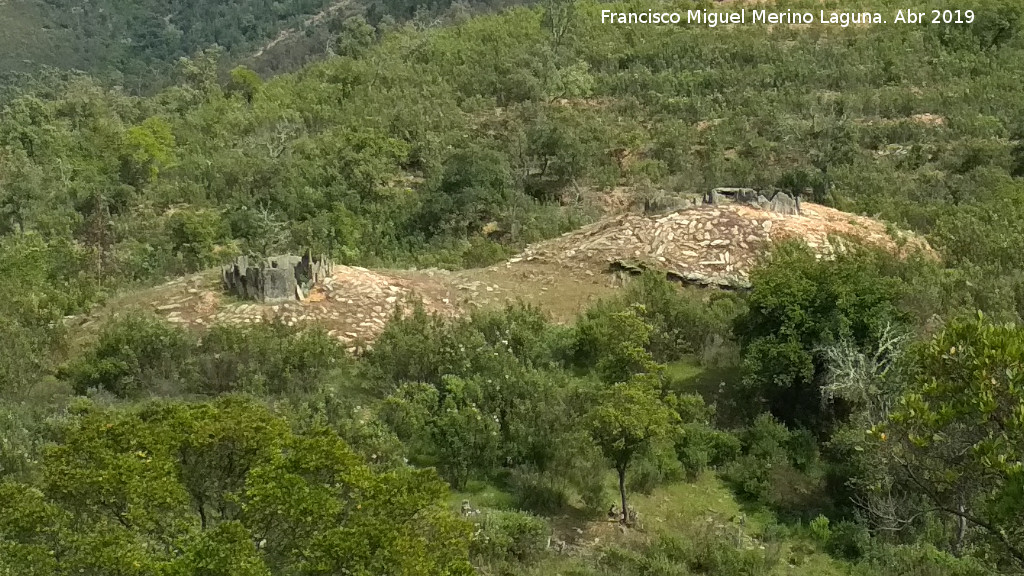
point(680, 509)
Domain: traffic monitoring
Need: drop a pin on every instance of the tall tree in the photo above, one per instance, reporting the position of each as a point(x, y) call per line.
point(627, 417)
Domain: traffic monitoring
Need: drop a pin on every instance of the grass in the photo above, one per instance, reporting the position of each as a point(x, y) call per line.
point(686, 511)
point(483, 495)
point(684, 372)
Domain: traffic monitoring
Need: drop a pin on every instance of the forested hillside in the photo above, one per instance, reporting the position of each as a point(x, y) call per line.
point(136, 44)
point(860, 414)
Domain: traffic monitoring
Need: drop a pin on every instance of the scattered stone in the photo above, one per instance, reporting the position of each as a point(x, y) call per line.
point(688, 244)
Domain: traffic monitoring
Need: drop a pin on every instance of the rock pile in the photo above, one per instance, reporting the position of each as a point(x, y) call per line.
point(714, 245)
point(353, 304)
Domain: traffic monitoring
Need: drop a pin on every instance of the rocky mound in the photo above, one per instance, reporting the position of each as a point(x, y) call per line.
point(352, 303)
point(707, 244)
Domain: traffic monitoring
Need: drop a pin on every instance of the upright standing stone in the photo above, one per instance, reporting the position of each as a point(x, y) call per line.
point(275, 279)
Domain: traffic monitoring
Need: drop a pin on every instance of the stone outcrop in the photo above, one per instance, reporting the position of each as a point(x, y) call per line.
point(275, 279)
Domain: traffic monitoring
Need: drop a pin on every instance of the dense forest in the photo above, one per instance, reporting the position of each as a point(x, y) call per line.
point(858, 415)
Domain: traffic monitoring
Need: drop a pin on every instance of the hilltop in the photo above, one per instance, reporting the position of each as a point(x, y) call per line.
point(713, 245)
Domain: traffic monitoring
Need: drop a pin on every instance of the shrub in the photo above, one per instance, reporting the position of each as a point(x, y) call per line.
point(195, 235)
point(134, 355)
point(849, 540)
point(725, 447)
point(918, 560)
point(699, 446)
point(588, 478)
point(409, 349)
point(537, 492)
point(803, 449)
point(766, 439)
point(701, 550)
point(507, 536)
point(716, 554)
point(408, 411)
point(613, 341)
point(683, 322)
point(750, 477)
point(520, 328)
point(265, 358)
point(820, 529)
point(482, 252)
point(372, 439)
point(653, 468)
point(763, 451)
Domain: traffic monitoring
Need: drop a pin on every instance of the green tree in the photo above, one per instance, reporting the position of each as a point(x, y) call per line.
point(148, 148)
point(133, 356)
point(355, 38)
point(798, 306)
point(626, 418)
point(956, 436)
point(464, 436)
point(221, 488)
point(244, 82)
point(321, 511)
point(473, 184)
point(614, 343)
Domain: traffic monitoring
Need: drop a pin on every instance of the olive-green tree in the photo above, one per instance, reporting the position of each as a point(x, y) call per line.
point(626, 418)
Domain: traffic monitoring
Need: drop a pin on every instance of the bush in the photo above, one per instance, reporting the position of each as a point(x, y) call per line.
point(699, 446)
point(700, 551)
point(820, 529)
point(482, 252)
point(409, 349)
point(918, 560)
point(684, 322)
point(520, 328)
point(803, 450)
point(540, 493)
point(750, 477)
point(655, 467)
point(372, 439)
point(766, 439)
point(506, 536)
point(588, 478)
point(134, 355)
point(195, 235)
point(849, 540)
point(763, 450)
point(716, 554)
point(265, 358)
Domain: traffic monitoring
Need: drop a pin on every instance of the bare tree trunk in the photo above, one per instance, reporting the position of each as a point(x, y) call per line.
point(622, 491)
point(961, 530)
